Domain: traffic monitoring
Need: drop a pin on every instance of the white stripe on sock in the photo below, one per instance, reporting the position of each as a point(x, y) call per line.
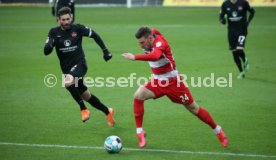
point(217, 129)
point(139, 130)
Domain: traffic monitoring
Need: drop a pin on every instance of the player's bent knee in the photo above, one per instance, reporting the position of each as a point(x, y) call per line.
point(193, 108)
point(143, 94)
point(67, 84)
point(68, 81)
point(138, 95)
point(86, 95)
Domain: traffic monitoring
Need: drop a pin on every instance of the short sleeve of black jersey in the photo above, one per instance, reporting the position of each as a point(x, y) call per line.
point(85, 31)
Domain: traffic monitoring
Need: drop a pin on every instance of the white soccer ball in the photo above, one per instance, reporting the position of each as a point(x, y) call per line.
point(113, 144)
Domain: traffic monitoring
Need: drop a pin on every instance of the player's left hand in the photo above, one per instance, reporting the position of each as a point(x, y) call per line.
point(107, 55)
point(128, 56)
point(53, 10)
point(247, 24)
point(223, 21)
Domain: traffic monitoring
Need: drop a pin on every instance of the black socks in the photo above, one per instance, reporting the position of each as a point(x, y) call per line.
point(95, 102)
point(76, 95)
point(242, 55)
point(238, 56)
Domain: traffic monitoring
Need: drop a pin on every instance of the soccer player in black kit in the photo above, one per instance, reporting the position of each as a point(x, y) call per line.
point(58, 4)
point(67, 40)
point(238, 22)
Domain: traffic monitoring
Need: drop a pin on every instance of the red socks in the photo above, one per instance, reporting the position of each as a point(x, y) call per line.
point(138, 112)
point(206, 117)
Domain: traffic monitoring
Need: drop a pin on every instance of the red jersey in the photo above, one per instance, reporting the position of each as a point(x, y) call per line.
point(160, 58)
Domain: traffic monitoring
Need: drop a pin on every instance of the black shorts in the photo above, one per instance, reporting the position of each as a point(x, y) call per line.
point(236, 38)
point(78, 71)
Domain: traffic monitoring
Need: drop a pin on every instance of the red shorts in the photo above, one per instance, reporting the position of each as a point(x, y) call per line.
point(174, 89)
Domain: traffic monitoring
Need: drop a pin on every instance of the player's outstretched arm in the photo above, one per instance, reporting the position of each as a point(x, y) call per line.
point(128, 56)
point(152, 56)
point(106, 54)
point(222, 15)
point(49, 45)
point(50, 42)
point(251, 15)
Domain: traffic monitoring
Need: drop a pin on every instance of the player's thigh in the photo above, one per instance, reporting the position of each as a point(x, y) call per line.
point(241, 41)
point(179, 93)
point(78, 70)
point(68, 80)
point(144, 93)
point(75, 74)
point(155, 88)
point(232, 39)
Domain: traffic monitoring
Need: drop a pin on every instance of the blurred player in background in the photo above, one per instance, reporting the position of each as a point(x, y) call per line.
point(236, 11)
point(58, 4)
point(67, 40)
point(166, 81)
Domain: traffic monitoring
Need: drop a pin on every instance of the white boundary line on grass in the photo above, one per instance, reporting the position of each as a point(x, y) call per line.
point(141, 150)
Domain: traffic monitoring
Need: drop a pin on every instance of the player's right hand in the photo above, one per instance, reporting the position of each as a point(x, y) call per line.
point(247, 24)
point(107, 55)
point(53, 11)
point(223, 21)
point(128, 56)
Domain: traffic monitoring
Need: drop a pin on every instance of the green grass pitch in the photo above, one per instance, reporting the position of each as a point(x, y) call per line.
point(31, 113)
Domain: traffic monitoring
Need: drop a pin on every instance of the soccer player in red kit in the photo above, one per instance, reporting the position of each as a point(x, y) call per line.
point(165, 81)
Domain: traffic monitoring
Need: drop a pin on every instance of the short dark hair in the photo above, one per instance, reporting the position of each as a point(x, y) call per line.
point(64, 10)
point(143, 32)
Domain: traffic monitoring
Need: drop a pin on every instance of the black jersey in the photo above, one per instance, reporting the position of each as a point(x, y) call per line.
point(236, 13)
point(58, 4)
point(68, 44)
point(63, 3)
